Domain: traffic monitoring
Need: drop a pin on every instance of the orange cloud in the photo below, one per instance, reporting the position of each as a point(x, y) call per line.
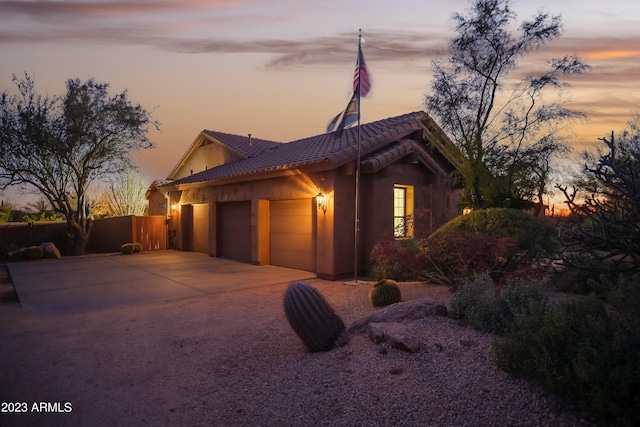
point(610, 54)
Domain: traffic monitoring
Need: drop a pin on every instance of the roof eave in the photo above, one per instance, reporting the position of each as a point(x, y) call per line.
point(275, 172)
point(405, 148)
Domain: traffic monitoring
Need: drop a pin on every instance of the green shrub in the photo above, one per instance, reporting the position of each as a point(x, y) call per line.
point(520, 297)
point(8, 246)
point(579, 351)
point(385, 292)
point(137, 248)
point(573, 281)
point(17, 255)
point(387, 269)
point(584, 274)
point(127, 249)
point(30, 253)
point(625, 297)
point(487, 308)
point(477, 302)
point(528, 232)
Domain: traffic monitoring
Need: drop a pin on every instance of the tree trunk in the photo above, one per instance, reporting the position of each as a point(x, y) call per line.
point(538, 208)
point(477, 194)
point(79, 233)
point(542, 182)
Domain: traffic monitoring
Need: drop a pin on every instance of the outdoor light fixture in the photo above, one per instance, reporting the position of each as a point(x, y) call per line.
point(322, 201)
point(174, 207)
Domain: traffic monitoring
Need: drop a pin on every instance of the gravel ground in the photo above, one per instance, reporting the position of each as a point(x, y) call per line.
point(232, 360)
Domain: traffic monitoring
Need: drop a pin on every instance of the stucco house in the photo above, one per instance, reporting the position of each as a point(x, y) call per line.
point(293, 204)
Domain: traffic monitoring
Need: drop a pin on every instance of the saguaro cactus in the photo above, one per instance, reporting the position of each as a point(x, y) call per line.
point(312, 318)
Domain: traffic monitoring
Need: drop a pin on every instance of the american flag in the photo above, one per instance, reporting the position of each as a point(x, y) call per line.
point(361, 76)
point(361, 87)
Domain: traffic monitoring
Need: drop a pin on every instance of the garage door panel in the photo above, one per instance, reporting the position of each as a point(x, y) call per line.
point(291, 225)
point(200, 229)
point(234, 230)
point(299, 241)
point(291, 207)
point(292, 234)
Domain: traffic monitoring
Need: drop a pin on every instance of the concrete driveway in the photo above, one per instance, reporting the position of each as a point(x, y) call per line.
point(80, 285)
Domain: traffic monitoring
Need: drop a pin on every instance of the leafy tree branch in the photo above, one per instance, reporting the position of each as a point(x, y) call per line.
point(59, 145)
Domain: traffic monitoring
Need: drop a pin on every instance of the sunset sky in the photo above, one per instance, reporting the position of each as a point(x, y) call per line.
point(281, 69)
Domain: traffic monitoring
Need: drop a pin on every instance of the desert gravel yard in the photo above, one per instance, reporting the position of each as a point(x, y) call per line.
point(231, 359)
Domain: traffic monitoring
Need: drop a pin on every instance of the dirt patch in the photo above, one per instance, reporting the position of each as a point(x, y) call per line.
point(231, 359)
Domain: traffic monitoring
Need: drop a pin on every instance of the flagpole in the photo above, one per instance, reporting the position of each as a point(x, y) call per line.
point(357, 206)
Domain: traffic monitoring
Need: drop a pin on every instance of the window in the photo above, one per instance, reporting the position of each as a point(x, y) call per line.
point(402, 211)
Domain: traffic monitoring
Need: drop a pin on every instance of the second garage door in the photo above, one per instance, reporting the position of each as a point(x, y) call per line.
point(292, 234)
point(200, 232)
point(234, 230)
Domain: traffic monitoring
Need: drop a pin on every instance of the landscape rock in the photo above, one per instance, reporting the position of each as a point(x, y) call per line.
point(382, 348)
point(396, 335)
point(401, 312)
point(396, 371)
point(50, 251)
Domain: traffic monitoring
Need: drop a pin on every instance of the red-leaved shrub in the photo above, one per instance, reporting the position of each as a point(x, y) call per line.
point(395, 259)
point(452, 256)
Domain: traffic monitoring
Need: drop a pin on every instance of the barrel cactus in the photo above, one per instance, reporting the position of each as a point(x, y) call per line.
point(137, 248)
point(312, 318)
point(384, 292)
point(32, 252)
point(127, 249)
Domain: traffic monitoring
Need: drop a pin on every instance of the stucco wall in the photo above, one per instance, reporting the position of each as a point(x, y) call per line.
point(431, 194)
point(335, 228)
point(299, 186)
point(157, 203)
point(434, 197)
point(343, 245)
point(205, 157)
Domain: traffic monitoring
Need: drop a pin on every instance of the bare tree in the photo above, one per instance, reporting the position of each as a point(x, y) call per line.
point(607, 221)
point(124, 195)
point(500, 132)
point(59, 145)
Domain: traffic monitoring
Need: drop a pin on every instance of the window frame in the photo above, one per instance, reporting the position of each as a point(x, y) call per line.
point(403, 212)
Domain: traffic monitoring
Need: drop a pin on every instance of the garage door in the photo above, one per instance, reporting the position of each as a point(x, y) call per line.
point(234, 230)
point(200, 229)
point(292, 234)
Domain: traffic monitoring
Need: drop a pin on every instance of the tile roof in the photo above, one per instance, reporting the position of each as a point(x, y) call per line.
point(331, 148)
point(242, 145)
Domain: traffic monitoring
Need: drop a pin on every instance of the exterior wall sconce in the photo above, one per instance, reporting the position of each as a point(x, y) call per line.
point(174, 207)
point(322, 201)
